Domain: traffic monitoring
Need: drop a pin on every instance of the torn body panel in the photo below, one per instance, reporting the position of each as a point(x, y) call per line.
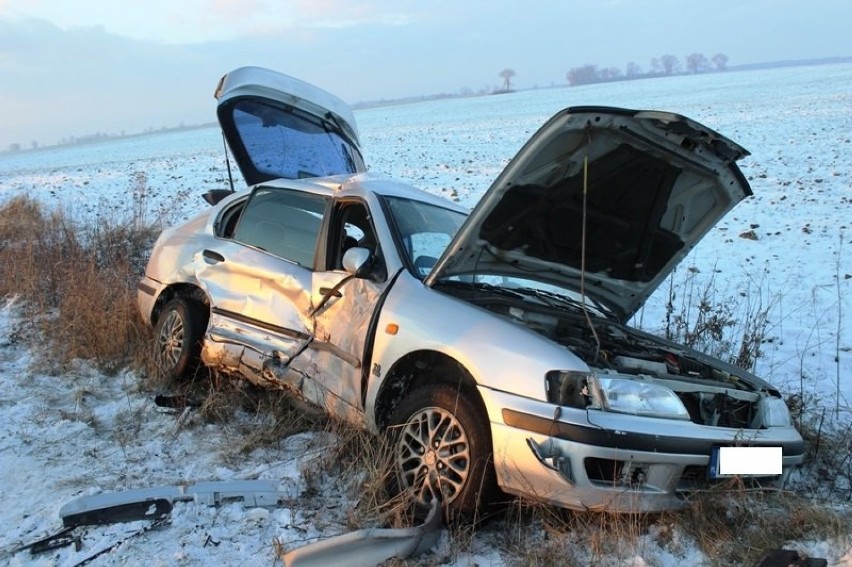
point(371, 546)
point(323, 365)
point(259, 312)
point(257, 286)
point(340, 334)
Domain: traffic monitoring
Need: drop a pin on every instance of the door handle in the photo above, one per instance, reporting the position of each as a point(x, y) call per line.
point(212, 257)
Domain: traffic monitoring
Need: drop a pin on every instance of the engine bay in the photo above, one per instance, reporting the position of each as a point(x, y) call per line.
point(712, 392)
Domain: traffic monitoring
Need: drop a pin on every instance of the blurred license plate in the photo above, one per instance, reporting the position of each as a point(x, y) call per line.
point(745, 461)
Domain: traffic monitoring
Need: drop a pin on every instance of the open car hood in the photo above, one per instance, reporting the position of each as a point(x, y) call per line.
point(619, 196)
point(280, 127)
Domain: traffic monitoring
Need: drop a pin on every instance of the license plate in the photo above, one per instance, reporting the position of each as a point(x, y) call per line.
point(745, 461)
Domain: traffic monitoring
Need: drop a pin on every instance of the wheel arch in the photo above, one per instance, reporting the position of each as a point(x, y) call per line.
point(419, 367)
point(178, 290)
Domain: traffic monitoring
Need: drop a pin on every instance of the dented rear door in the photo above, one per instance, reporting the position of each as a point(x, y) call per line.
point(259, 281)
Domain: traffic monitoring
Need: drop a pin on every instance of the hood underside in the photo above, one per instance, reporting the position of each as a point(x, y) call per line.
point(618, 195)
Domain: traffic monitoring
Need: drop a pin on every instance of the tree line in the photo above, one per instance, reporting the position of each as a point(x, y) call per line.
point(659, 67)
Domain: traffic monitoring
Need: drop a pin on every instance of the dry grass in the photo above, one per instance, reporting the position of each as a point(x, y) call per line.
point(731, 526)
point(737, 526)
point(360, 464)
point(542, 535)
point(78, 284)
point(828, 458)
point(255, 417)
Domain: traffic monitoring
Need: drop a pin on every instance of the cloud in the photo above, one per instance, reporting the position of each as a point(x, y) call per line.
point(233, 18)
point(343, 13)
point(58, 83)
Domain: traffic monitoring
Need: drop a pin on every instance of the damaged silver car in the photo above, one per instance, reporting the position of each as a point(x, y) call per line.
point(493, 343)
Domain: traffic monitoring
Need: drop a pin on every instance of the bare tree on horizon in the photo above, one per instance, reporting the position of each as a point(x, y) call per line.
point(720, 60)
point(670, 63)
point(696, 63)
point(633, 69)
point(507, 75)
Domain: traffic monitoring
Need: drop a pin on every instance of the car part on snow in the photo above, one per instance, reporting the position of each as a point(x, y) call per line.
point(788, 558)
point(371, 546)
point(62, 538)
point(156, 511)
point(131, 505)
point(177, 401)
point(154, 504)
point(129, 511)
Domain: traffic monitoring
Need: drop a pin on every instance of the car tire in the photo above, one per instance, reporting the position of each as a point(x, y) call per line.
point(441, 444)
point(178, 338)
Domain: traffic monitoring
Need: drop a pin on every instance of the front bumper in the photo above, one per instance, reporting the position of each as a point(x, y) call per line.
point(147, 292)
point(595, 460)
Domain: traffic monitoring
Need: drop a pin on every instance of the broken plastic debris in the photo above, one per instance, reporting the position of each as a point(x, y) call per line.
point(369, 547)
point(149, 503)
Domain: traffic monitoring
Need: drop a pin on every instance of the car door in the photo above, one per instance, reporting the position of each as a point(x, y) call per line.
point(259, 281)
point(344, 310)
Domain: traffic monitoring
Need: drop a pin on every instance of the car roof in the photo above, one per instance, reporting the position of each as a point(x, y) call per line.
point(364, 185)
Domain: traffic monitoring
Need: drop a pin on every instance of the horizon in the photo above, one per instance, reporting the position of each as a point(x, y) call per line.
point(73, 70)
point(95, 137)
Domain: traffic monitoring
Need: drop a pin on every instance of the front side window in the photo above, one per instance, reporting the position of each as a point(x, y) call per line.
point(283, 223)
point(352, 226)
point(423, 230)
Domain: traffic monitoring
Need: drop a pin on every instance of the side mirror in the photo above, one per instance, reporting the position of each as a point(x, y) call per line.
point(358, 261)
point(215, 195)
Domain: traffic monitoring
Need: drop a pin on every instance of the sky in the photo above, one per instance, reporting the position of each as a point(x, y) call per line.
point(83, 67)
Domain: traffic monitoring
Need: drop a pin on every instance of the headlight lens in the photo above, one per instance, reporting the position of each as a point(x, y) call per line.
point(638, 397)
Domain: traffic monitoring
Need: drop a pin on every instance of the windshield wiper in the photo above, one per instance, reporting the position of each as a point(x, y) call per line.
point(553, 299)
point(542, 297)
point(486, 288)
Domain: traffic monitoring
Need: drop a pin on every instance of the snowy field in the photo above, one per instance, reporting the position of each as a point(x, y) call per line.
point(786, 250)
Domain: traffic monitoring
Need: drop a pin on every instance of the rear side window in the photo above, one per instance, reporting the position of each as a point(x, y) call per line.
point(283, 223)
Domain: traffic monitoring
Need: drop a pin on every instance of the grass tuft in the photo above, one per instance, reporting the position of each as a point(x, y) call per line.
point(737, 526)
point(78, 284)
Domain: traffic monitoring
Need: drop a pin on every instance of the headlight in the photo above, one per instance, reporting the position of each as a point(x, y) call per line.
point(775, 412)
point(638, 397)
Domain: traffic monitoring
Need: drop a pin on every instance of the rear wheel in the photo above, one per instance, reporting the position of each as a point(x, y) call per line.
point(178, 336)
point(442, 449)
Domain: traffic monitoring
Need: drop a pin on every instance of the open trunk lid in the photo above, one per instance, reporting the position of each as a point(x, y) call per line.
point(280, 127)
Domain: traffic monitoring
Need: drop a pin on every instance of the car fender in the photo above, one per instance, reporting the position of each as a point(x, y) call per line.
point(498, 353)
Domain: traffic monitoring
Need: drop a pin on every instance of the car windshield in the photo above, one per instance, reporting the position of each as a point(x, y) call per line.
point(424, 231)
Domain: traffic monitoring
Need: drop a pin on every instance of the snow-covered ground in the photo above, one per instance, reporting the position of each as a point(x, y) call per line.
point(85, 432)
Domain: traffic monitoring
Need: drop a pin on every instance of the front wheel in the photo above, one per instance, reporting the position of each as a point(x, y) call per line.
point(177, 337)
point(442, 449)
